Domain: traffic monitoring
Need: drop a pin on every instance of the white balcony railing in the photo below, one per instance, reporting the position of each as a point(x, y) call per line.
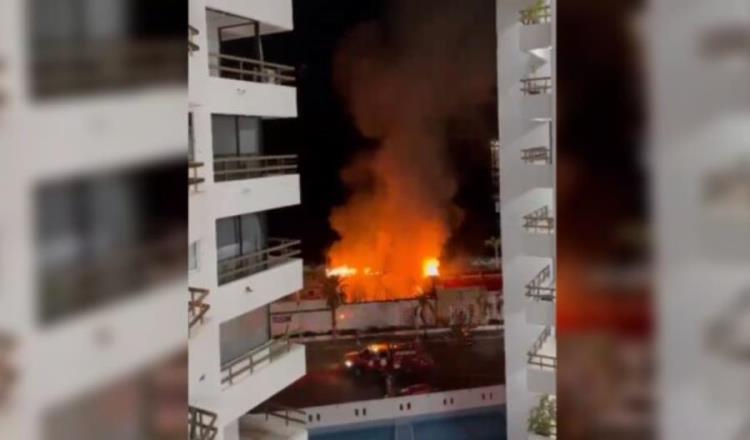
point(538, 288)
point(280, 251)
point(247, 69)
point(539, 221)
point(249, 167)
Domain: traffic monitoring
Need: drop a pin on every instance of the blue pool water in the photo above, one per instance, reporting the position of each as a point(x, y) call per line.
point(489, 424)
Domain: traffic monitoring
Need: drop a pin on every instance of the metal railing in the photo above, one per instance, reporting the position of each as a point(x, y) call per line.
point(197, 306)
point(93, 66)
point(536, 15)
point(280, 251)
point(285, 413)
point(247, 69)
point(535, 289)
point(201, 424)
point(248, 167)
point(539, 221)
point(193, 178)
point(536, 86)
point(192, 47)
point(536, 154)
point(536, 359)
point(248, 362)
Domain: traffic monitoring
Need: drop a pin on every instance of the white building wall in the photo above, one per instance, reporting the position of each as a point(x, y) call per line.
point(74, 136)
point(272, 13)
point(214, 200)
point(524, 188)
point(700, 129)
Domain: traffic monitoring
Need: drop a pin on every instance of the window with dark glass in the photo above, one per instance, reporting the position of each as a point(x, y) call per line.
point(85, 46)
point(107, 236)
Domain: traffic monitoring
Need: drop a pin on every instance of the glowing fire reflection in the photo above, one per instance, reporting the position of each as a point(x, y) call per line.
point(431, 267)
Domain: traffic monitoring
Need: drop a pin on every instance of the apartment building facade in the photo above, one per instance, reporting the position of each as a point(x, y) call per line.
point(699, 163)
point(89, 152)
point(526, 89)
point(237, 267)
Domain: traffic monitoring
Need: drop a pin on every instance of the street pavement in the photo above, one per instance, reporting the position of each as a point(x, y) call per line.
point(327, 381)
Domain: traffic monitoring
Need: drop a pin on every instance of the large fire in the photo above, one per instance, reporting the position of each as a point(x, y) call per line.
point(366, 284)
point(431, 267)
point(402, 93)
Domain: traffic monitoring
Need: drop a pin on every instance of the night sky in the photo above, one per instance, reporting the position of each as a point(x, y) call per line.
point(325, 137)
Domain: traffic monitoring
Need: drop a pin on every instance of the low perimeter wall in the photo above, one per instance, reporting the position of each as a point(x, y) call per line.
point(314, 316)
point(369, 411)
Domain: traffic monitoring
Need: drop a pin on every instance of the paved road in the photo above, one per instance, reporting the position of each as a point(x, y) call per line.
point(457, 366)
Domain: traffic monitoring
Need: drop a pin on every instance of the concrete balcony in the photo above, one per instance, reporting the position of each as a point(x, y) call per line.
point(274, 15)
point(539, 233)
point(257, 194)
point(195, 177)
point(241, 267)
point(243, 86)
point(95, 66)
point(536, 29)
point(536, 156)
point(274, 423)
point(539, 221)
point(231, 83)
point(254, 377)
point(538, 172)
point(228, 169)
point(116, 130)
point(244, 295)
point(537, 100)
point(541, 370)
point(536, 37)
point(107, 344)
point(541, 294)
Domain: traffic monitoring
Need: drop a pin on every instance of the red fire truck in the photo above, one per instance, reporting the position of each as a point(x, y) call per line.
point(385, 358)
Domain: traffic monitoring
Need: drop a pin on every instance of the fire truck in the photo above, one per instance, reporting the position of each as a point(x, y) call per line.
point(389, 358)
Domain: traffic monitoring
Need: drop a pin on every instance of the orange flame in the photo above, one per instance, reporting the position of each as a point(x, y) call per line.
point(341, 271)
point(431, 267)
point(367, 284)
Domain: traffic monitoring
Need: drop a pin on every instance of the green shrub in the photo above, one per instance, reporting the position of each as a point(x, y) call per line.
point(543, 417)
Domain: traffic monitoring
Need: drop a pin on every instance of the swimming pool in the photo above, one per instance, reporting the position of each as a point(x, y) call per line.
point(486, 424)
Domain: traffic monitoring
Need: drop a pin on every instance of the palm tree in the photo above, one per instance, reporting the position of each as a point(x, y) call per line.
point(334, 298)
point(495, 243)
